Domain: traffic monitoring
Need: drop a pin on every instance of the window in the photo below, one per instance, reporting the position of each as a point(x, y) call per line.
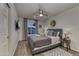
point(31, 27)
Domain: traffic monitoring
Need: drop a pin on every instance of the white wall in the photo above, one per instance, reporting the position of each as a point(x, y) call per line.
point(13, 34)
point(3, 29)
point(69, 20)
point(21, 29)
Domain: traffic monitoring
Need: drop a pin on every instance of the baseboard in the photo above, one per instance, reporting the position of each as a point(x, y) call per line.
point(72, 50)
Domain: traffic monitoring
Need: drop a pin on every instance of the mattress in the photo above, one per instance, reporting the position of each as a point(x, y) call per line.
point(39, 41)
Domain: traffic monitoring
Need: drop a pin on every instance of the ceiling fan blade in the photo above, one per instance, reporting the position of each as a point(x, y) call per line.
point(45, 14)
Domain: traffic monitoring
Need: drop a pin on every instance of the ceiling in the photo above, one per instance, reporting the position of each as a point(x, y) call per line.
point(52, 9)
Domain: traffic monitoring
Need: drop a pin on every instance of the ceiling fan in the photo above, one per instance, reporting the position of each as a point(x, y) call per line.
point(41, 13)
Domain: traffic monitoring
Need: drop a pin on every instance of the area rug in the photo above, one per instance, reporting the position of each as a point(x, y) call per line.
point(55, 52)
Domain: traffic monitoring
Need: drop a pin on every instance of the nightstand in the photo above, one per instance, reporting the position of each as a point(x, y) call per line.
point(67, 42)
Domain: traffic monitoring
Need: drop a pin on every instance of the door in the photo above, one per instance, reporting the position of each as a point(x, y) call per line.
point(3, 29)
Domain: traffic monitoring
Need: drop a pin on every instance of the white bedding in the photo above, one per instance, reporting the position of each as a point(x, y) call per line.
point(54, 39)
point(33, 35)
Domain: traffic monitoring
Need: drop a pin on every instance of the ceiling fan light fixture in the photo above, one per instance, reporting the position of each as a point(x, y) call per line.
point(41, 15)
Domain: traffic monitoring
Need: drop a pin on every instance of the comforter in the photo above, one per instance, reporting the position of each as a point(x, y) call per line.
point(39, 41)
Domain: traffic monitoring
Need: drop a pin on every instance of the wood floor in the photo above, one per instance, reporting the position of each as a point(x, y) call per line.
point(23, 50)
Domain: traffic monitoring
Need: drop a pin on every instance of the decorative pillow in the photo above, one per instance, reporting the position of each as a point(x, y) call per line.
point(49, 33)
point(58, 33)
point(54, 33)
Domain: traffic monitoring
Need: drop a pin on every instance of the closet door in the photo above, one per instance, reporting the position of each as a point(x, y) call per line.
point(3, 29)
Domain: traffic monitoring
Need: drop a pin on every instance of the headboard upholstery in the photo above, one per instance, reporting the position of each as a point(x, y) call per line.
point(55, 31)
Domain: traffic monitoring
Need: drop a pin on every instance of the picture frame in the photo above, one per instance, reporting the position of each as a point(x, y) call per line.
point(40, 26)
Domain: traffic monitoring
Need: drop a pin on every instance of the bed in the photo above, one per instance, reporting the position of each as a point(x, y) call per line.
point(40, 43)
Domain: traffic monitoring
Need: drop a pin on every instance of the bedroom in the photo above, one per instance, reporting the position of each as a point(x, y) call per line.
point(49, 22)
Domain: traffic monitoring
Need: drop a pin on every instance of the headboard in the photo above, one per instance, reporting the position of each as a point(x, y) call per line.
point(55, 31)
